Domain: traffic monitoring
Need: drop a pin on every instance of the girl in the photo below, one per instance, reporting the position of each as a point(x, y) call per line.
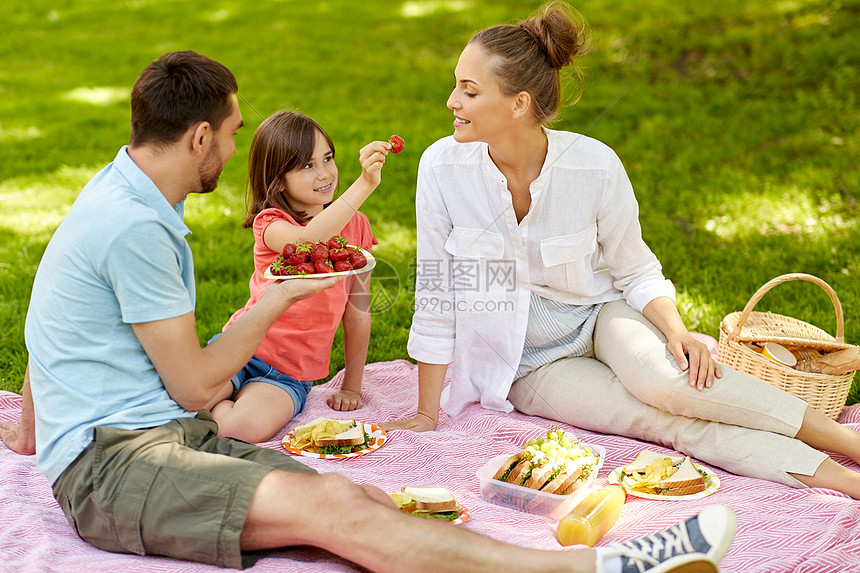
point(292, 177)
point(565, 312)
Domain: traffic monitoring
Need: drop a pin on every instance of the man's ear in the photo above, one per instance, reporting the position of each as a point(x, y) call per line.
point(201, 137)
point(522, 104)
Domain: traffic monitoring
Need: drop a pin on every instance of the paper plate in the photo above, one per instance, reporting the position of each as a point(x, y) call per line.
point(712, 484)
point(464, 516)
point(377, 438)
point(371, 262)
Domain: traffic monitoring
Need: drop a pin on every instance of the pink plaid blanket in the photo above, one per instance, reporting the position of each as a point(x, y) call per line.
point(780, 529)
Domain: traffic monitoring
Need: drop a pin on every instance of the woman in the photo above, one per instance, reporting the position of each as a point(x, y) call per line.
point(534, 281)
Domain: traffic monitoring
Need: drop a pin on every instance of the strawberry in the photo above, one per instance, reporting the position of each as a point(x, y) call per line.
point(340, 266)
point(397, 143)
point(297, 258)
point(301, 254)
point(323, 266)
point(279, 267)
point(319, 252)
point(357, 258)
point(339, 254)
point(305, 269)
point(336, 242)
point(289, 249)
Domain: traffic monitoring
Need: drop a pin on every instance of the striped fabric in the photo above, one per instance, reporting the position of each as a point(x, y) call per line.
point(555, 330)
point(780, 529)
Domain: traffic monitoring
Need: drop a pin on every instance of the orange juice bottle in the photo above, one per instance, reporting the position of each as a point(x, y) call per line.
point(592, 517)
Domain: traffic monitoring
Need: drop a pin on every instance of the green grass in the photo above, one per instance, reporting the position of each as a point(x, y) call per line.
point(737, 123)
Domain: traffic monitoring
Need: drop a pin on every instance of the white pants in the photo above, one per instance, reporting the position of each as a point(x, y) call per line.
point(633, 387)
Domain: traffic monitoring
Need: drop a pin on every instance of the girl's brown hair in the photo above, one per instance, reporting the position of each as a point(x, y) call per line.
point(528, 57)
point(282, 143)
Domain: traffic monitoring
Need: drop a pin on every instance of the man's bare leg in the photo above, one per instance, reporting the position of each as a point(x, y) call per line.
point(20, 436)
point(331, 512)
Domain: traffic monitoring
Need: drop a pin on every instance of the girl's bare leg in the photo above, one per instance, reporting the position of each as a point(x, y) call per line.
point(257, 413)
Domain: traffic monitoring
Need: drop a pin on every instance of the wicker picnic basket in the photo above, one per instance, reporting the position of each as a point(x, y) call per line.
point(827, 393)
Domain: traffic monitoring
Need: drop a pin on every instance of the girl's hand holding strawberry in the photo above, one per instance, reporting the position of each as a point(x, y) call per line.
point(372, 158)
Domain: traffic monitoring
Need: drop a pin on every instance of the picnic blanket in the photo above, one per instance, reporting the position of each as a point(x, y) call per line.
point(780, 529)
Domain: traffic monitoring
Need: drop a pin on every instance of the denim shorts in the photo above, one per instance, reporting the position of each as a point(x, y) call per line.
point(256, 370)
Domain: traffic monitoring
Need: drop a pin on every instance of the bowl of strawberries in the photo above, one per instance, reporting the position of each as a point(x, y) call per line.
point(314, 259)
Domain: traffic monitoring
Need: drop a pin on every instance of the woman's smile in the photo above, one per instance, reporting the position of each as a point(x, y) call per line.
point(459, 121)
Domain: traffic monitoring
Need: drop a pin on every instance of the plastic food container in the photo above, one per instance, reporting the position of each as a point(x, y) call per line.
point(530, 500)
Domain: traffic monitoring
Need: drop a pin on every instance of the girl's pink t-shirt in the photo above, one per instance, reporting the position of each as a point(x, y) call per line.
point(299, 343)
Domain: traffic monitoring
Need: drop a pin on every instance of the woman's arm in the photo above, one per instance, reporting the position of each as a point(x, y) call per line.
point(20, 437)
point(356, 339)
point(331, 220)
point(701, 366)
point(432, 337)
point(430, 380)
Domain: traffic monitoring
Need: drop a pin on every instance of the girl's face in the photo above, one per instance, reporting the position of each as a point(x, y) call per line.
point(481, 111)
point(312, 186)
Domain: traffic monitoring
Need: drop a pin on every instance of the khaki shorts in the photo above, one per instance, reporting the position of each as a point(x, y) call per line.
point(177, 490)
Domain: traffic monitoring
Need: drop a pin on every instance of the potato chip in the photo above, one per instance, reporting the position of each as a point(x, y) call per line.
point(651, 475)
point(400, 498)
point(304, 437)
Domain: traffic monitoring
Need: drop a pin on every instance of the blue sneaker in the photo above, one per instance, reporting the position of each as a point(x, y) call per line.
point(696, 545)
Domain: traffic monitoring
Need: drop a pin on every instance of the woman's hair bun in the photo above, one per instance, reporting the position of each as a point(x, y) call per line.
point(560, 30)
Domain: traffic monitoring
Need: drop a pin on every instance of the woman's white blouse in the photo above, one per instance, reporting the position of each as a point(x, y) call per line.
point(580, 243)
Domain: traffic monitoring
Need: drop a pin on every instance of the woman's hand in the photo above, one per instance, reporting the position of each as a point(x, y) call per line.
point(430, 380)
point(420, 423)
point(345, 401)
point(694, 357)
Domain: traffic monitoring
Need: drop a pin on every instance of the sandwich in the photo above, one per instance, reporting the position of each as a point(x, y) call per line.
point(646, 457)
point(325, 436)
point(552, 475)
point(433, 502)
point(559, 474)
point(686, 481)
point(661, 474)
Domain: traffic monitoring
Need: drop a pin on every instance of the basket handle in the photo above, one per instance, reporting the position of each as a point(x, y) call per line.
point(840, 323)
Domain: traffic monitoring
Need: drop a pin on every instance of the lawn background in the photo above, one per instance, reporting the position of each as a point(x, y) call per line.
point(737, 121)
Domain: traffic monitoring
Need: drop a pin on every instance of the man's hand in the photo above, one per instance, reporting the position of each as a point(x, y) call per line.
point(299, 289)
point(420, 423)
point(345, 401)
point(17, 439)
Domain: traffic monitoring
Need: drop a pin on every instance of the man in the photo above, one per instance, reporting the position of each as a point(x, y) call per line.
point(117, 383)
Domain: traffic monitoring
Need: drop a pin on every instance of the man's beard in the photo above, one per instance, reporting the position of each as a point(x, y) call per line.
point(210, 170)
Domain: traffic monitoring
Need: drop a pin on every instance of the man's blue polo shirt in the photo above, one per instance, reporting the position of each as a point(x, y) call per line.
point(119, 257)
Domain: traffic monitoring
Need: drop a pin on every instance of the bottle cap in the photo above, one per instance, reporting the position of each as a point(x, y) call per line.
point(620, 487)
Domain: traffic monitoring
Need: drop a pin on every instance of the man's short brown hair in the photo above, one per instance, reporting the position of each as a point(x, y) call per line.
point(176, 91)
